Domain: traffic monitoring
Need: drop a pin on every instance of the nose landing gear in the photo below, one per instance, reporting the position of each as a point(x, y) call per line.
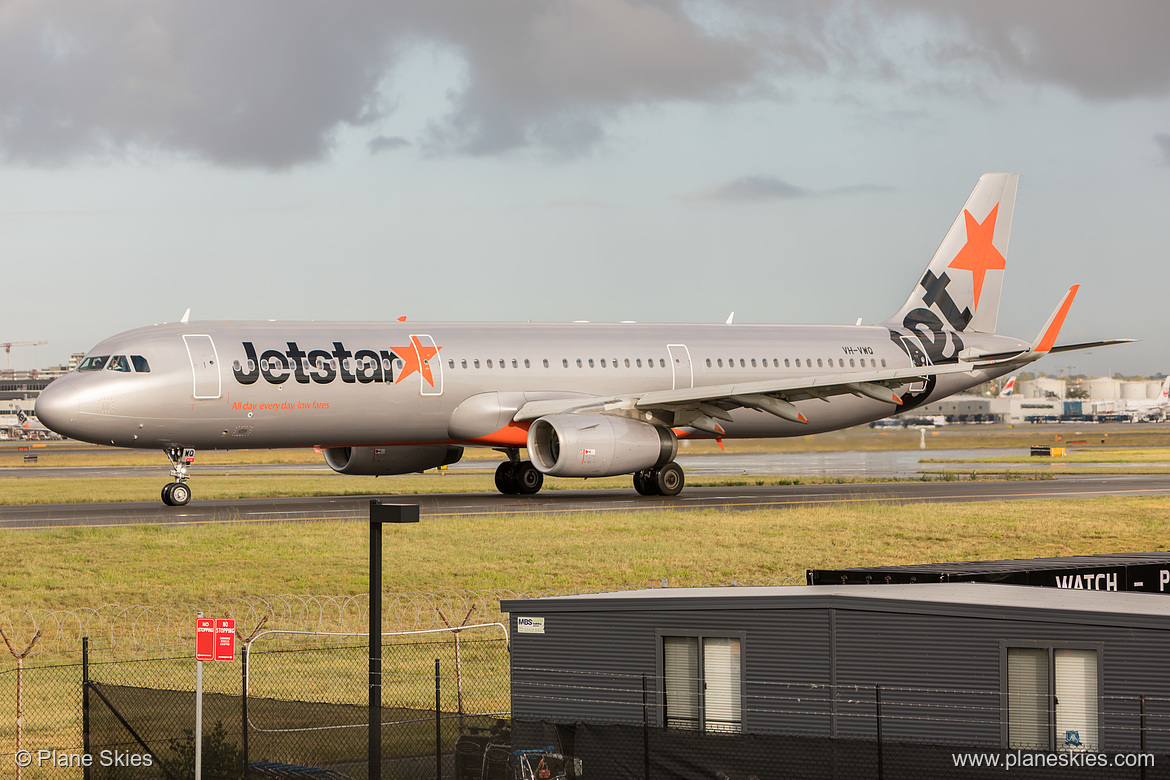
point(177, 493)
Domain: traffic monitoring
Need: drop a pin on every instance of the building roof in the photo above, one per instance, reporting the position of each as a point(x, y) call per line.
point(973, 599)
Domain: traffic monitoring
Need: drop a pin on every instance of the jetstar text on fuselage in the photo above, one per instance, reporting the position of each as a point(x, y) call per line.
point(316, 365)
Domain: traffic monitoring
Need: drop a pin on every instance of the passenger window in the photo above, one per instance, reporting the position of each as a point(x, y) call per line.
point(851, 362)
point(742, 364)
point(545, 361)
point(638, 362)
point(450, 364)
point(526, 364)
point(142, 367)
point(514, 363)
point(502, 365)
point(719, 362)
point(873, 363)
point(95, 363)
point(476, 362)
point(628, 362)
point(565, 362)
point(400, 364)
point(798, 362)
point(819, 364)
point(578, 362)
point(591, 362)
point(615, 363)
point(119, 363)
point(602, 363)
point(883, 362)
point(662, 362)
point(708, 362)
point(786, 363)
point(463, 363)
point(830, 362)
point(753, 362)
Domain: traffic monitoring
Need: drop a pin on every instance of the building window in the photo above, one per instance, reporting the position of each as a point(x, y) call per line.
point(703, 683)
point(1052, 698)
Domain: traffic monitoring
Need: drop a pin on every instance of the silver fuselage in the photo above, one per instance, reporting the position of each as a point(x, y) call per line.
point(230, 385)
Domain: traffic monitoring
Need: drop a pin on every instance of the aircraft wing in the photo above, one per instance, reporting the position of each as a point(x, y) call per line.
point(699, 407)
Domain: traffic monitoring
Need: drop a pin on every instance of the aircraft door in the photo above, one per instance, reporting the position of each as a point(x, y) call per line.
point(430, 364)
point(204, 366)
point(680, 364)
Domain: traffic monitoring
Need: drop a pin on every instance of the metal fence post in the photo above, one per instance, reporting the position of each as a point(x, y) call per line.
point(375, 735)
point(244, 711)
point(85, 772)
point(880, 757)
point(438, 724)
point(1142, 726)
point(645, 730)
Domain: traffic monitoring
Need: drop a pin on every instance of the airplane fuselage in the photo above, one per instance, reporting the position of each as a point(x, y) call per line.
point(216, 385)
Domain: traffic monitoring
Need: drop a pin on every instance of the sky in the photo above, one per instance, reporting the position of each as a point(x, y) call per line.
point(554, 160)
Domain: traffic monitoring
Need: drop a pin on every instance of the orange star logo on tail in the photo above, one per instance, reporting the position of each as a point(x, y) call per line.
point(416, 357)
point(978, 255)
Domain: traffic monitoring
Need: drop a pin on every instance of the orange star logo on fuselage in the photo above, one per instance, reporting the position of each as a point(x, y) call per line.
point(416, 357)
point(978, 255)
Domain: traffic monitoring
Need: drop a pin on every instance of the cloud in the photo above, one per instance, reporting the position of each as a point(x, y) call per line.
point(1163, 142)
point(383, 143)
point(749, 188)
point(269, 83)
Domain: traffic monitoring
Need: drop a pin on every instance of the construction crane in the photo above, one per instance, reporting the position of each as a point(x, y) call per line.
point(8, 345)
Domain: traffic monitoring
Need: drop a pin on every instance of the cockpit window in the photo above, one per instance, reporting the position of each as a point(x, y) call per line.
point(140, 364)
point(93, 363)
point(119, 363)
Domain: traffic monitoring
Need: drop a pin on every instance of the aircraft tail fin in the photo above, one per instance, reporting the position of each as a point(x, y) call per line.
point(1009, 388)
point(961, 286)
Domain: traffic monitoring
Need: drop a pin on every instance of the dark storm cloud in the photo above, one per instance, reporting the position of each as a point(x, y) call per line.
point(268, 83)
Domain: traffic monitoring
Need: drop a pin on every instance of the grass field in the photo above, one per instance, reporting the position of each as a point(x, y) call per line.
point(81, 567)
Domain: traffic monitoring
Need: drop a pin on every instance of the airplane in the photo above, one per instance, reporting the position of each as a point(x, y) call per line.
point(1009, 388)
point(16, 419)
point(583, 399)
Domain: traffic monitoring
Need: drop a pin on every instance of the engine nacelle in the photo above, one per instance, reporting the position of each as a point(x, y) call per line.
point(383, 461)
point(597, 445)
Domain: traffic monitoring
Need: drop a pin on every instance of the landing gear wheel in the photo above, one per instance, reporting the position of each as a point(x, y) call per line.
point(526, 478)
point(180, 494)
point(643, 484)
point(669, 480)
point(505, 478)
point(166, 493)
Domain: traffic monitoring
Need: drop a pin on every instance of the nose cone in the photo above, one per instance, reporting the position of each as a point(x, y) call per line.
point(56, 408)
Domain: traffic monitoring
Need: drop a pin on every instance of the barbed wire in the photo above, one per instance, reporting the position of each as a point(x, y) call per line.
point(141, 627)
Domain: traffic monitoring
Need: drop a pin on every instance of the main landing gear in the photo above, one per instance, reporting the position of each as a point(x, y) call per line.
point(178, 493)
point(665, 480)
point(518, 477)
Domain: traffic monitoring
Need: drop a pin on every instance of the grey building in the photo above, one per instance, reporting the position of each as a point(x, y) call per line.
point(975, 664)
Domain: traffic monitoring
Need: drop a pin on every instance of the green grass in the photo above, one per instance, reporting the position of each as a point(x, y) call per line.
point(68, 568)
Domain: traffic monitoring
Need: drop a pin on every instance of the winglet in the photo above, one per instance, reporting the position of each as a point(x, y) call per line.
point(1051, 330)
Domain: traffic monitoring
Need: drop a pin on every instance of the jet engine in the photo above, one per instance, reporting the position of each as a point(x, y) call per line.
point(383, 461)
point(597, 445)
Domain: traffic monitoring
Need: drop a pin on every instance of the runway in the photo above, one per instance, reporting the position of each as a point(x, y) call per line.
point(563, 501)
